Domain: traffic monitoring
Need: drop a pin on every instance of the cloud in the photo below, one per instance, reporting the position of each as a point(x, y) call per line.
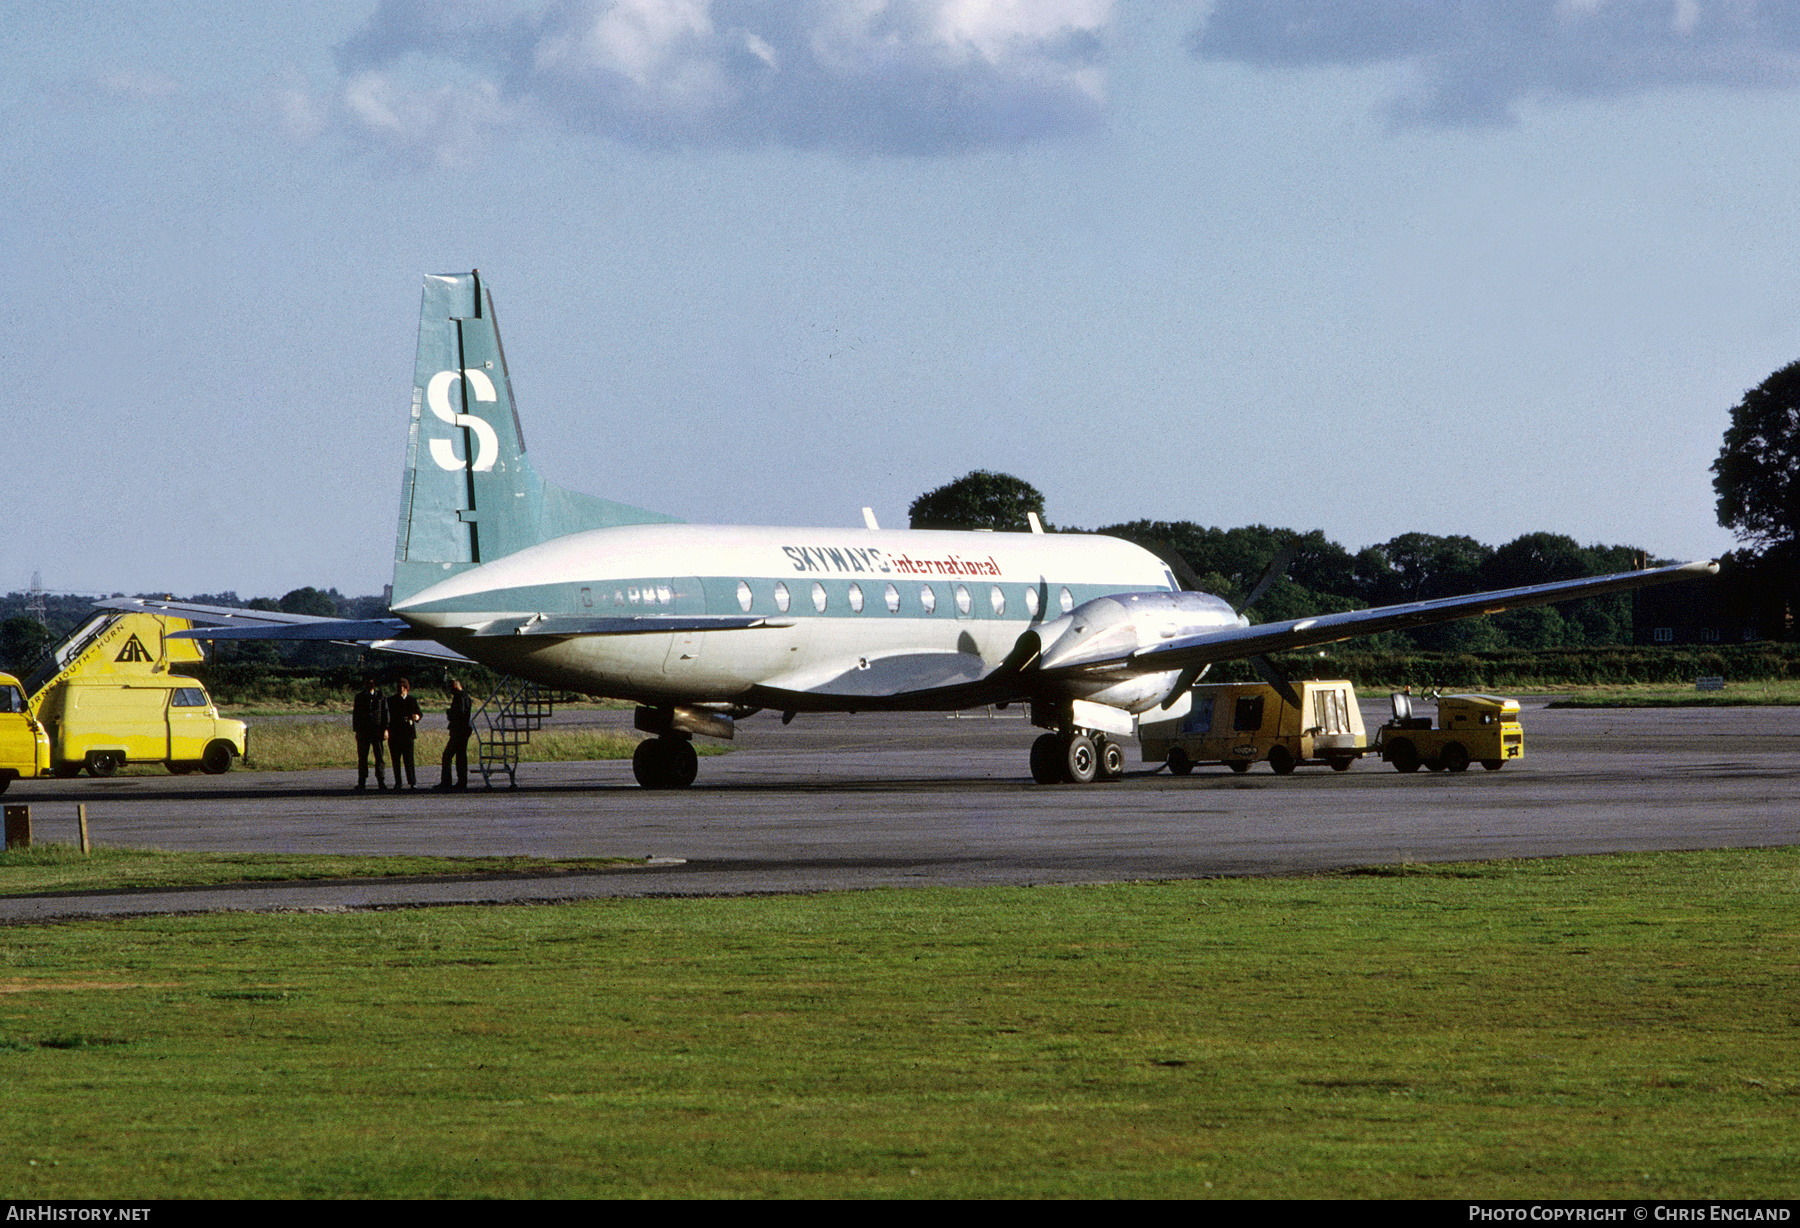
point(860, 76)
point(1475, 59)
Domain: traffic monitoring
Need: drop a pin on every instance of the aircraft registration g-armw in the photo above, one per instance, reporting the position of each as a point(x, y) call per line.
point(702, 625)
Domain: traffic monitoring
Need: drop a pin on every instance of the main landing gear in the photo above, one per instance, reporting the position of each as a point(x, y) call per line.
point(1076, 756)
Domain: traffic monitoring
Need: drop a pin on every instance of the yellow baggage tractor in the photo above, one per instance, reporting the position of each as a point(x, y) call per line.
point(1480, 729)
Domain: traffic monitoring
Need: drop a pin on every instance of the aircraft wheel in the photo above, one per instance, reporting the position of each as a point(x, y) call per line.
point(684, 763)
point(1046, 759)
point(1403, 755)
point(1456, 757)
point(1240, 766)
point(648, 763)
point(1179, 763)
point(1493, 765)
point(1281, 761)
point(1081, 760)
point(1342, 763)
point(1112, 760)
point(665, 763)
point(217, 759)
point(103, 762)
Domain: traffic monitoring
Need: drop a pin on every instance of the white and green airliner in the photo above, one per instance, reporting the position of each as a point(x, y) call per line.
point(701, 625)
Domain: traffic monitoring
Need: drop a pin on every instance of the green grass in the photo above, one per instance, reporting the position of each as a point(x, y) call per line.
point(1735, 695)
point(60, 867)
point(1608, 1027)
point(301, 745)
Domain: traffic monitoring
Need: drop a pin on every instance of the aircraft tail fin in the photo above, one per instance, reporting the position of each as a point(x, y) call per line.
point(470, 494)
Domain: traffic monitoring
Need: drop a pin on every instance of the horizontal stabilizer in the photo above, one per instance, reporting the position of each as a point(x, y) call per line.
point(213, 622)
point(328, 629)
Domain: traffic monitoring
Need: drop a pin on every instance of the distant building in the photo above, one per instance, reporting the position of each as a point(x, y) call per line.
point(1739, 606)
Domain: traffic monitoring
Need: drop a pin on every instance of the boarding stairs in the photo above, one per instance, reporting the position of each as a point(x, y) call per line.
point(505, 722)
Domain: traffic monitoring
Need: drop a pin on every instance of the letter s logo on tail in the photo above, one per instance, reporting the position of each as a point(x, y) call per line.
point(437, 395)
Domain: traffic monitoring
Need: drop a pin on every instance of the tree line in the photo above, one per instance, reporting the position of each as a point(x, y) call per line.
point(1323, 577)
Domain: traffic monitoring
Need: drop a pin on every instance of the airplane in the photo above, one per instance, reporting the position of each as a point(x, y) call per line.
point(701, 626)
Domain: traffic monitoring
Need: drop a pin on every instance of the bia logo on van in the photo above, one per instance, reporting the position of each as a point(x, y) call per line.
point(437, 395)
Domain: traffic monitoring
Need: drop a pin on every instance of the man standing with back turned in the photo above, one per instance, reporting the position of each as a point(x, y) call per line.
point(461, 726)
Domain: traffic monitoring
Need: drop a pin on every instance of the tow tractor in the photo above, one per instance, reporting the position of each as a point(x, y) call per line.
point(1480, 729)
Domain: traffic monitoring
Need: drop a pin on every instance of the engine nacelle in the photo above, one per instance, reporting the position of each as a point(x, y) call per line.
point(1100, 635)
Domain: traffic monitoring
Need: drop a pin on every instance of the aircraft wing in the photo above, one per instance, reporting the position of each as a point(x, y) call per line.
point(1233, 643)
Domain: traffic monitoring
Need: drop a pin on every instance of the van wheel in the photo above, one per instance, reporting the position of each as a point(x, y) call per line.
point(1240, 766)
point(217, 759)
point(1493, 765)
point(1179, 763)
point(1281, 760)
point(1341, 763)
point(1403, 755)
point(103, 762)
point(1456, 757)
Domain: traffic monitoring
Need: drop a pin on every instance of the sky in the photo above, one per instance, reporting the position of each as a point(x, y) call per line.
point(1366, 266)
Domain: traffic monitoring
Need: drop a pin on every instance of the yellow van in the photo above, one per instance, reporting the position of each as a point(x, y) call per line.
point(1237, 723)
point(24, 747)
point(104, 723)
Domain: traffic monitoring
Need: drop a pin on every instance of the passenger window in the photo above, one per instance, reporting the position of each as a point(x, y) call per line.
point(1067, 600)
point(856, 599)
point(11, 700)
point(997, 600)
point(1249, 715)
point(893, 599)
point(1031, 601)
point(745, 597)
point(964, 603)
point(781, 597)
point(188, 697)
point(928, 598)
point(818, 597)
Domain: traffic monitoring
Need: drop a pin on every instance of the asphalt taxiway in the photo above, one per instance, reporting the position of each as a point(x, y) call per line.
point(924, 799)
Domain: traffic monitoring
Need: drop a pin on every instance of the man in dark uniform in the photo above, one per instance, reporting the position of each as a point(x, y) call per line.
point(370, 720)
point(403, 728)
point(462, 724)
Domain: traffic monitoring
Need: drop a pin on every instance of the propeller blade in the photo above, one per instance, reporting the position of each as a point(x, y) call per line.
point(1272, 573)
point(1266, 670)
